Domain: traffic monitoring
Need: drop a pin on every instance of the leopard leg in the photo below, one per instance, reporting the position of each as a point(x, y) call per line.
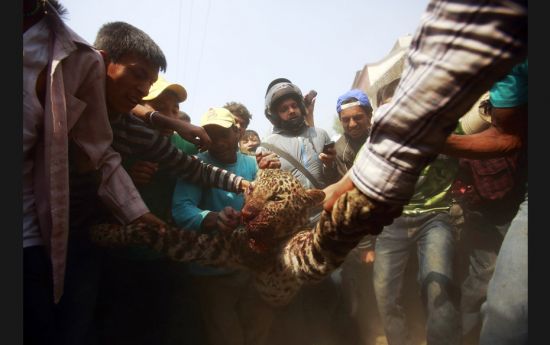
point(177, 244)
point(312, 255)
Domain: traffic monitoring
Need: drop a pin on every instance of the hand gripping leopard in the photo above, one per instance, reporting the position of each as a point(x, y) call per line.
point(273, 242)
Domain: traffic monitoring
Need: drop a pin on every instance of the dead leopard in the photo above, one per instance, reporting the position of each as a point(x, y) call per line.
point(273, 242)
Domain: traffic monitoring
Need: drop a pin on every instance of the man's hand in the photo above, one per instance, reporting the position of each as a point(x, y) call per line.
point(328, 156)
point(224, 221)
point(333, 191)
point(354, 207)
point(245, 185)
point(309, 101)
point(142, 172)
point(268, 160)
point(149, 218)
point(194, 134)
point(228, 219)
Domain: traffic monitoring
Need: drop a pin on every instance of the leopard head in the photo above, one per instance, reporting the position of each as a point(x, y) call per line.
point(276, 207)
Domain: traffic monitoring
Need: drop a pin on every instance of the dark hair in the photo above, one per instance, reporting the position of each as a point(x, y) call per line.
point(182, 115)
point(60, 9)
point(249, 133)
point(239, 110)
point(120, 38)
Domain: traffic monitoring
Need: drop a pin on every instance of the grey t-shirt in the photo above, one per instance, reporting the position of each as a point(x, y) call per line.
point(305, 148)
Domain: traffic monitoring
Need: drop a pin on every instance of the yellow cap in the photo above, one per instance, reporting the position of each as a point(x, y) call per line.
point(218, 116)
point(162, 84)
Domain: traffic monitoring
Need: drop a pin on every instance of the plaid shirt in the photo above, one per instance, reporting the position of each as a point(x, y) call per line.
point(489, 180)
point(460, 49)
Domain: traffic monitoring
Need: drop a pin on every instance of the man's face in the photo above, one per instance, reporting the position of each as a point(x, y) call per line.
point(128, 81)
point(355, 121)
point(241, 124)
point(167, 104)
point(225, 142)
point(288, 109)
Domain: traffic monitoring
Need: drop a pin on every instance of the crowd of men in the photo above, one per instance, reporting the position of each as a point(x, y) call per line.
point(104, 141)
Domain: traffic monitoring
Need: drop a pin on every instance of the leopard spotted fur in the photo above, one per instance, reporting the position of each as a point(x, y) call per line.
point(273, 243)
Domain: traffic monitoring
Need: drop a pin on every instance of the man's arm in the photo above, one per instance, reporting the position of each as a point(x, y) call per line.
point(133, 137)
point(194, 134)
point(507, 134)
point(442, 79)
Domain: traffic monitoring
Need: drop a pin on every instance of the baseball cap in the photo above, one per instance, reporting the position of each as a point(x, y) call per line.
point(362, 100)
point(162, 84)
point(218, 116)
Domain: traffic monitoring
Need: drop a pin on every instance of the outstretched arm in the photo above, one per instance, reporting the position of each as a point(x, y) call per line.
point(132, 137)
point(194, 134)
point(442, 78)
point(507, 134)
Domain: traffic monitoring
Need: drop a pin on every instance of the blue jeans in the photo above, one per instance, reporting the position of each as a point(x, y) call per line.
point(482, 240)
point(359, 298)
point(433, 235)
point(505, 311)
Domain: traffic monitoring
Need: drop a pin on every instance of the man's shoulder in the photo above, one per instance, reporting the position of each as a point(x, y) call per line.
point(276, 139)
point(271, 138)
point(319, 130)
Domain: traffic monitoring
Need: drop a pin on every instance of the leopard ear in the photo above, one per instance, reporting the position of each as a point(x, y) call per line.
point(316, 196)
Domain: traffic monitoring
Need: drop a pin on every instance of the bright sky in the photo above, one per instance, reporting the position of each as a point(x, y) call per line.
point(230, 50)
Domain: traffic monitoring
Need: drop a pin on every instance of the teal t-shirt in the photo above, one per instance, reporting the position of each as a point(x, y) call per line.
point(191, 202)
point(511, 91)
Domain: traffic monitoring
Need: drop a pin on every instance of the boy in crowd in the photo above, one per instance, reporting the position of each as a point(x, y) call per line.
point(249, 142)
point(232, 311)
